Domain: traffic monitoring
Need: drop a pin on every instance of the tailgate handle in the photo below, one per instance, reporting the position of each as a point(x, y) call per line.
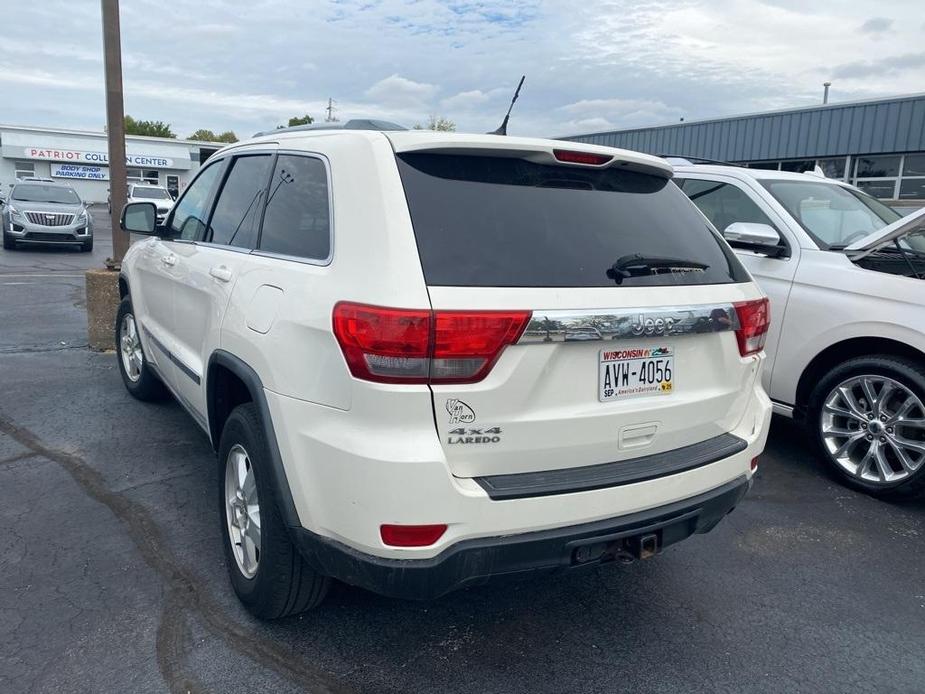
point(637, 435)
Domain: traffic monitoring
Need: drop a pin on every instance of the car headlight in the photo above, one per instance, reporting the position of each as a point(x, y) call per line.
point(82, 217)
point(15, 214)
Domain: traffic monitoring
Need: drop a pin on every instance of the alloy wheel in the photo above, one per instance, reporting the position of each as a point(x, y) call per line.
point(130, 348)
point(873, 427)
point(242, 510)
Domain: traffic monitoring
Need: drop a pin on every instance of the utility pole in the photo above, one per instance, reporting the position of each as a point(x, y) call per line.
point(115, 125)
point(330, 118)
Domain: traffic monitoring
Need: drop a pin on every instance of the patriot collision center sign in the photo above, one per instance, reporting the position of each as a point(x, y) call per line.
point(80, 157)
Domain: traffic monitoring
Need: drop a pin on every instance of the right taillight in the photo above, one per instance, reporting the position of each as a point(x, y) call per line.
point(754, 320)
point(389, 345)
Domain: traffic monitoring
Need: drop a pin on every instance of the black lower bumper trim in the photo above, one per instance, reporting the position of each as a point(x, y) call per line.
point(473, 562)
point(582, 479)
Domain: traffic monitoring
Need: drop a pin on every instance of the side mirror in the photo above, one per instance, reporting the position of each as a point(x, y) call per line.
point(754, 236)
point(139, 218)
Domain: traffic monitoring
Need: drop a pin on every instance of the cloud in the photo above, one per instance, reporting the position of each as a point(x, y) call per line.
point(876, 25)
point(619, 113)
point(465, 101)
point(591, 65)
point(398, 90)
point(882, 67)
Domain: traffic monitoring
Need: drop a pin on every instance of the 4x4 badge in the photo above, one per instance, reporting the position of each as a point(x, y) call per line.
point(460, 412)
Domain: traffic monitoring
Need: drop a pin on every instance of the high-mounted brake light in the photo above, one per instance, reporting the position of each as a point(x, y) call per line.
point(411, 535)
point(390, 345)
point(572, 157)
point(754, 321)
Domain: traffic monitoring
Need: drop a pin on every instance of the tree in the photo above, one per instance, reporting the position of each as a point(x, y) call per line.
point(150, 128)
point(203, 135)
point(438, 123)
point(298, 120)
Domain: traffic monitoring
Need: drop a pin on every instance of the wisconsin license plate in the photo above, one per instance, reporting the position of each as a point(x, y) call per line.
point(634, 371)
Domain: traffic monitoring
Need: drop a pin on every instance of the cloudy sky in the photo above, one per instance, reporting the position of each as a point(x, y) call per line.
point(590, 65)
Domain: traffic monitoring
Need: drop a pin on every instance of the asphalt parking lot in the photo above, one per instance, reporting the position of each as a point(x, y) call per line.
point(112, 577)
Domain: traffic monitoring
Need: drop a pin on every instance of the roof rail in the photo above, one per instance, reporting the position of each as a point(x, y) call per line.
point(353, 124)
point(696, 160)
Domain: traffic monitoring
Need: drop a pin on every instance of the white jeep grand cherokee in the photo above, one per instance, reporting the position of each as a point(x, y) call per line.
point(427, 359)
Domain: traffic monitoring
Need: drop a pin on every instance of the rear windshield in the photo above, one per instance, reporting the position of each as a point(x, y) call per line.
point(505, 222)
point(151, 193)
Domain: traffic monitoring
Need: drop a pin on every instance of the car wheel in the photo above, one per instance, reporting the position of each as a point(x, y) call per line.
point(86, 246)
point(138, 377)
point(8, 243)
point(267, 572)
point(867, 420)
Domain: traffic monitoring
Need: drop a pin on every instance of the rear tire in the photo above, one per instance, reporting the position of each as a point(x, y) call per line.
point(866, 419)
point(139, 379)
point(267, 572)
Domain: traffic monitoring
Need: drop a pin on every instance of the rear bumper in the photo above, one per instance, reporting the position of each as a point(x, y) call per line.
point(476, 561)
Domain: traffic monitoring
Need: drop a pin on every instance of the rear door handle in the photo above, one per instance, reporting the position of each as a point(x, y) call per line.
point(221, 273)
point(170, 260)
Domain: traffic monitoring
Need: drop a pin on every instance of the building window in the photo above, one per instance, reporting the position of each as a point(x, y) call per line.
point(147, 176)
point(877, 167)
point(770, 165)
point(912, 184)
point(878, 175)
point(24, 169)
point(798, 165)
point(833, 168)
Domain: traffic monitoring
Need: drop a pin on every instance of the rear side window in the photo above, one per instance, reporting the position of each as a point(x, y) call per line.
point(237, 212)
point(297, 220)
point(505, 222)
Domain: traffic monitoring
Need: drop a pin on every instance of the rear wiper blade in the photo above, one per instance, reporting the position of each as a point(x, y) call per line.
point(637, 264)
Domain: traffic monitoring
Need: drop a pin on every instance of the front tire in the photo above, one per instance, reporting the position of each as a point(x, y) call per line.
point(8, 243)
point(139, 379)
point(267, 572)
point(86, 246)
point(866, 418)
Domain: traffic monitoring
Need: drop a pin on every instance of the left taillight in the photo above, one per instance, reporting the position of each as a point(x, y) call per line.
point(754, 321)
point(388, 345)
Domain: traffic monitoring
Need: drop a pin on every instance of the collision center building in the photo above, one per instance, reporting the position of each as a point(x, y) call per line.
point(877, 145)
point(80, 158)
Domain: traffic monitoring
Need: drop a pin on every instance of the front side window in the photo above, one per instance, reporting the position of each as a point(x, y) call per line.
point(297, 220)
point(723, 203)
point(237, 210)
point(191, 213)
point(833, 215)
point(506, 222)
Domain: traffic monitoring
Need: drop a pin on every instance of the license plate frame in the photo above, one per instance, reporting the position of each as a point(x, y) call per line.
point(625, 372)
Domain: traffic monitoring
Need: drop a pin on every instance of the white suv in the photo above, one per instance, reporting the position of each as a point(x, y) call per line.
point(846, 350)
point(427, 359)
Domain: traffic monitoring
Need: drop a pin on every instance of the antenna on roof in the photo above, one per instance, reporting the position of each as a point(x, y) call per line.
point(503, 129)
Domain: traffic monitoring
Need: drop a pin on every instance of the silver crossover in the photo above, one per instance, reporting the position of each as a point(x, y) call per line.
point(45, 213)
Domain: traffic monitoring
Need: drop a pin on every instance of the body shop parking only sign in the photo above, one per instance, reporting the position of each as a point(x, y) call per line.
point(80, 171)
